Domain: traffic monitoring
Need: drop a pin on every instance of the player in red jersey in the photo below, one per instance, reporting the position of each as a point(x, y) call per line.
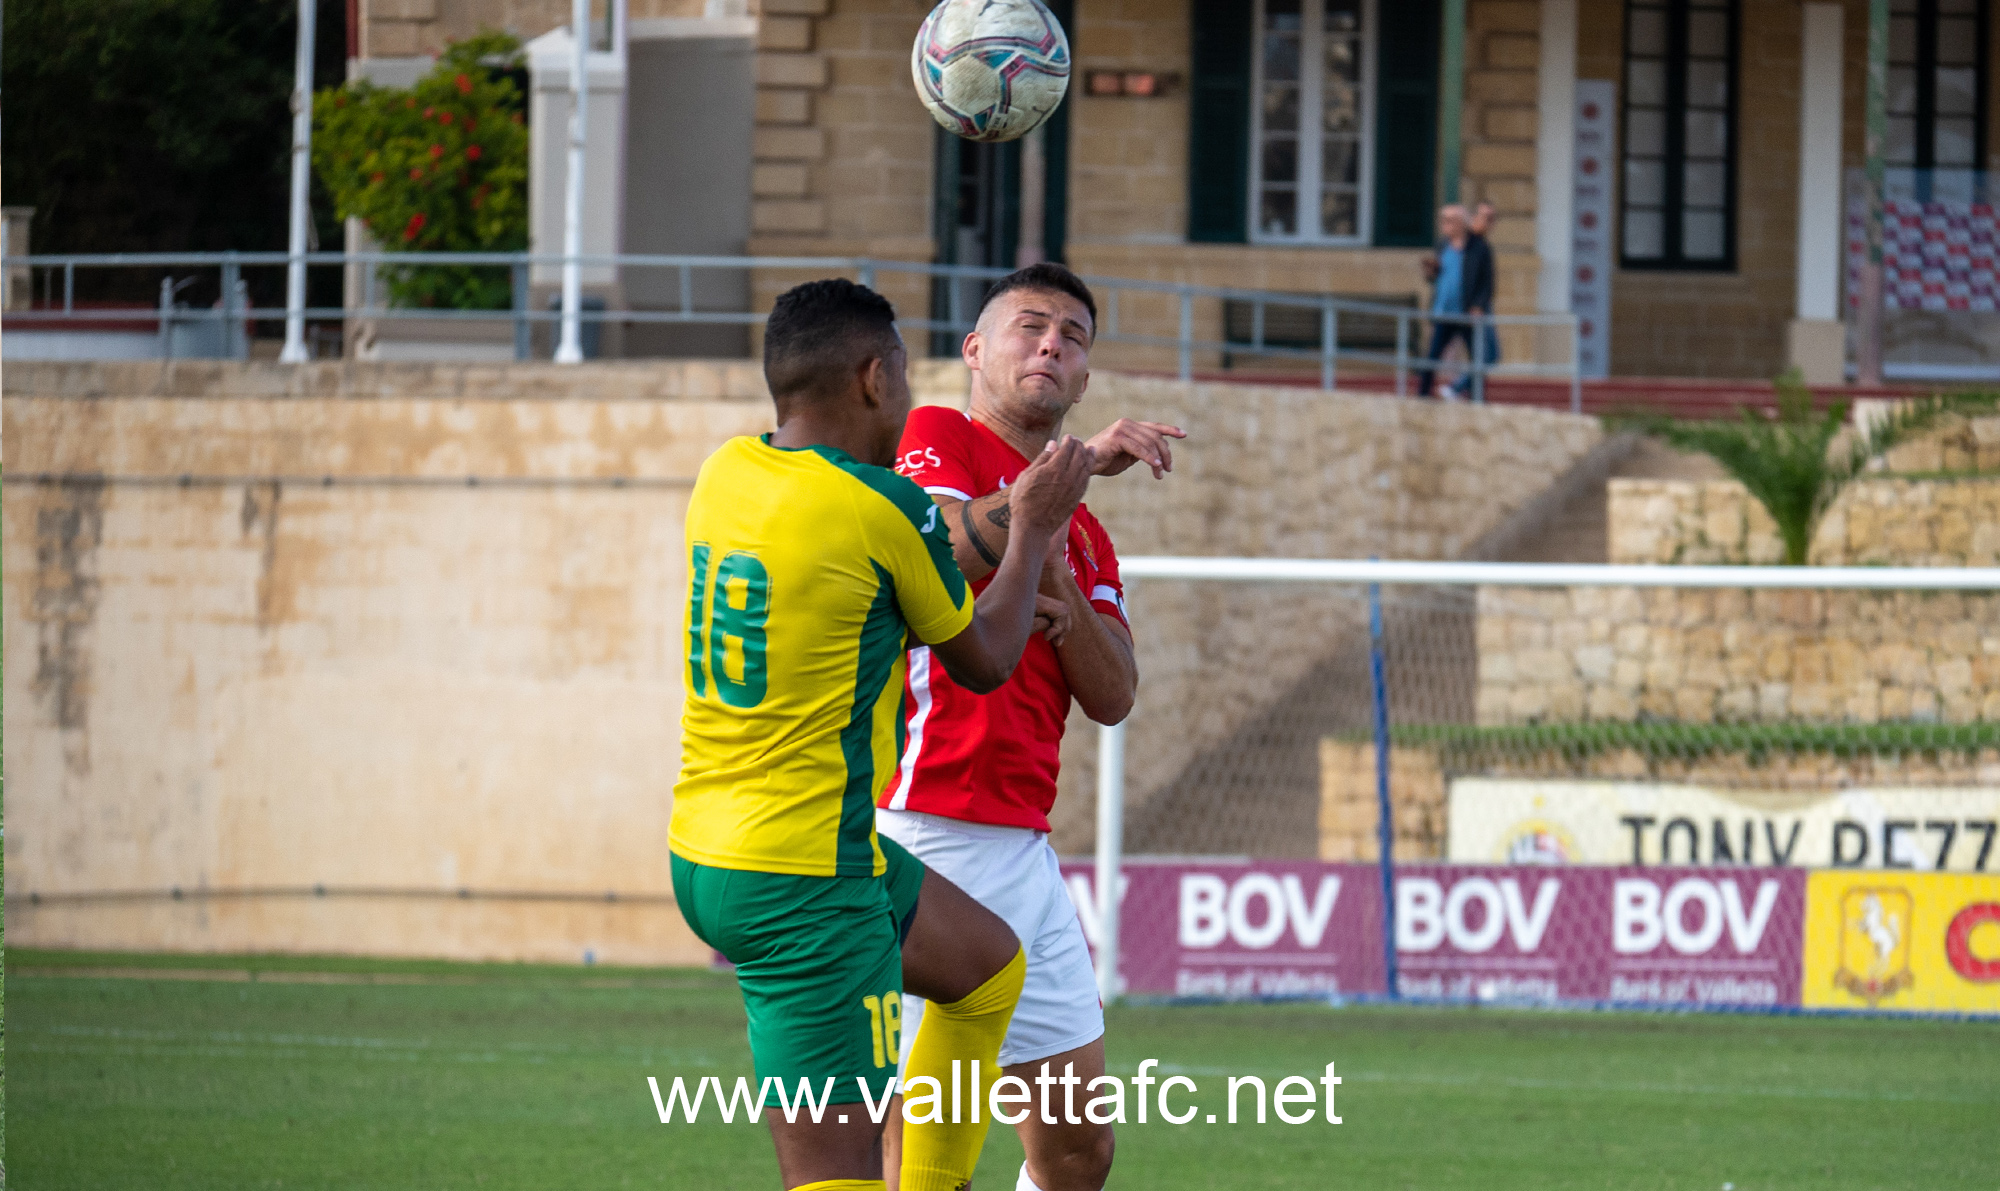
point(978, 776)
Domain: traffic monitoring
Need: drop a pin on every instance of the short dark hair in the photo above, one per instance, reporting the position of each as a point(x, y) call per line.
point(820, 332)
point(1047, 276)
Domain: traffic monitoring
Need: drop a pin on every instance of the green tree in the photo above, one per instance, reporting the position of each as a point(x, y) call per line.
point(1789, 461)
point(157, 125)
point(440, 167)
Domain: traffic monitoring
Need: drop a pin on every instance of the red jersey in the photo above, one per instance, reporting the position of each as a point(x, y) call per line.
point(989, 758)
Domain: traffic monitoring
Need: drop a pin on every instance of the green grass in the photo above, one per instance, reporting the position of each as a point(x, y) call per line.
point(503, 1076)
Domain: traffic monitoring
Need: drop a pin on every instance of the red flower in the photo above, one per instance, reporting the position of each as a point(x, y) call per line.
point(376, 178)
point(411, 102)
point(476, 200)
point(429, 112)
point(464, 85)
point(416, 225)
point(472, 152)
point(416, 175)
point(437, 151)
point(444, 117)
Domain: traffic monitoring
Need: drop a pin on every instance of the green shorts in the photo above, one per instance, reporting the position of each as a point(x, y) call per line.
point(819, 961)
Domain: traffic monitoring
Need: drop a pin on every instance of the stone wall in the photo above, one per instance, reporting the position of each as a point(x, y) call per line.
point(1877, 521)
point(1348, 814)
point(1704, 656)
point(842, 146)
point(1936, 502)
point(406, 28)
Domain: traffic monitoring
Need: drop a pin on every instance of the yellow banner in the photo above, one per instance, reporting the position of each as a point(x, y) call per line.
point(1914, 942)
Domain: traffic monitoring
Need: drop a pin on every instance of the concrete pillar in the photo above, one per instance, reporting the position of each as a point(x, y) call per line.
point(1555, 170)
point(1815, 340)
point(1451, 100)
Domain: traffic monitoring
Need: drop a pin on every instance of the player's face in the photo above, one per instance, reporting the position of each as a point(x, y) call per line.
point(1033, 351)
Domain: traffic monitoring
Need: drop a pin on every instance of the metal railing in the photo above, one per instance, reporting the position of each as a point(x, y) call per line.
point(955, 291)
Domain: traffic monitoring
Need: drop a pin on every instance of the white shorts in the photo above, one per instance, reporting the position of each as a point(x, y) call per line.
point(1013, 872)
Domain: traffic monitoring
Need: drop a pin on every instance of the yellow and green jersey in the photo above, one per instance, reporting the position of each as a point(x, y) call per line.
point(807, 572)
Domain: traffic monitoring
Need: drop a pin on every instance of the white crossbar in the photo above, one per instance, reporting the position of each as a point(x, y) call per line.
point(1535, 574)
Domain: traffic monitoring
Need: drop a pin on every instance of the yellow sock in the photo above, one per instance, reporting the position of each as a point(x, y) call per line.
point(843, 1185)
point(939, 1155)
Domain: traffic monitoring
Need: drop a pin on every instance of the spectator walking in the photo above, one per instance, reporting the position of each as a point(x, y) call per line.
point(1463, 285)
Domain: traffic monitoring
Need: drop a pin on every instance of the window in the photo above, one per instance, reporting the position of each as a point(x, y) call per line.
point(1680, 126)
point(1310, 174)
point(1936, 76)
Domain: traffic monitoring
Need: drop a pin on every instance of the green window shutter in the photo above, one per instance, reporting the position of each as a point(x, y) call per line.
point(1406, 105)
point(1219, 122)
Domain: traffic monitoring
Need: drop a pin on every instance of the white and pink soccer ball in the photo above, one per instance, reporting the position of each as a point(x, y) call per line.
point(991, 70)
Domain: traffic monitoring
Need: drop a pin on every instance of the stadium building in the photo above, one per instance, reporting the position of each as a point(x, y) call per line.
point(1734, 129)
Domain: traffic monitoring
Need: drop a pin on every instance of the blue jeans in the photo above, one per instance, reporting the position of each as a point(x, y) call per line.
point(1442, 336)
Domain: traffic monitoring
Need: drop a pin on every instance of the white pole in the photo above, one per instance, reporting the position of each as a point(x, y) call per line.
point(1110, 850)
point(302, 131)
point(570, 350)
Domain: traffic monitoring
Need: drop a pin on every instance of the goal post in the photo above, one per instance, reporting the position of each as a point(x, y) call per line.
point(1759, 787)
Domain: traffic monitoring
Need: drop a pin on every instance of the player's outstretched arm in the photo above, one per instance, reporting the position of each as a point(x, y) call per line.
point(1040, 502)
point(982, 527)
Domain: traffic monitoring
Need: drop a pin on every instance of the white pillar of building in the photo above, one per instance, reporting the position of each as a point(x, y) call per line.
point(1815, 340)
point(1555, 166)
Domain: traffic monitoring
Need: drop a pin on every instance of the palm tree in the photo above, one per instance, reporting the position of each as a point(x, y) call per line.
point(1788, 461)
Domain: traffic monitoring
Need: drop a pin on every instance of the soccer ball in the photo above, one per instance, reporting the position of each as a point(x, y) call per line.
point(990, 70)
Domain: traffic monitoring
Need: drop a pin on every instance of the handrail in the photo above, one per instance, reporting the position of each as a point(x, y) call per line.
point(1184, 341)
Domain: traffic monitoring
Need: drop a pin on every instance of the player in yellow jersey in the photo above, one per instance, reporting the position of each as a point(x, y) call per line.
point(811, 567)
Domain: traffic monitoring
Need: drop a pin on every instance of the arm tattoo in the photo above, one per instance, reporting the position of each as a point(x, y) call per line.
point(1002, 516)
point(978, 543)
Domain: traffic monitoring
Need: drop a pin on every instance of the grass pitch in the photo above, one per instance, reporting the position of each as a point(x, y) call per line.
point(231, 1072)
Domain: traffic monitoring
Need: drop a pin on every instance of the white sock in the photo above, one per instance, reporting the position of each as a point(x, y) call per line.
point(1024, 1183)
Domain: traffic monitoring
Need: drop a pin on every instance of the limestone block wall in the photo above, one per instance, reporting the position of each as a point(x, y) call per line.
point(1964, 445)
point(1347, 809)
point(406, 28)
point(842, 146)
point(1889, 520)
point(1706, 656)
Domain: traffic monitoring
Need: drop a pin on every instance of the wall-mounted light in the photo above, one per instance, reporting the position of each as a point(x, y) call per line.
point(1138, 84)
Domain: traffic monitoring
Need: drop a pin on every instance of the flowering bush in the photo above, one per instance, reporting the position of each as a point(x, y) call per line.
point(440, 167)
